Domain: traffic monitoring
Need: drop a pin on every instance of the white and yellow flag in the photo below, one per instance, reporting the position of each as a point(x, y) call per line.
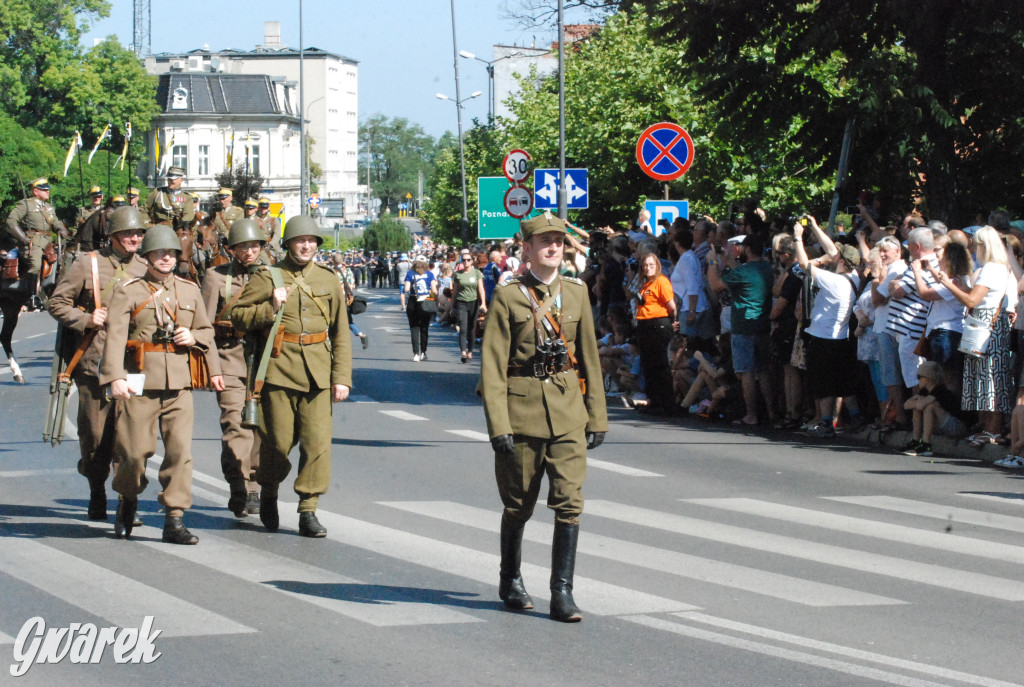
point(127, 139)
point(76, 145)
point(104, 136)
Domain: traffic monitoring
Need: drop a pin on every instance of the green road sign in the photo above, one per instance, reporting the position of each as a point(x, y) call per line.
point(493, 220)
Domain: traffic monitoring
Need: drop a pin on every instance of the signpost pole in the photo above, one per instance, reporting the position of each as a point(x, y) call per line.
point(666, 190)
point(562, 211)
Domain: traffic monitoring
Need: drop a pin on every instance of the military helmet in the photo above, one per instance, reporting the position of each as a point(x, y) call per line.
point(125, 218)
point(160, 237)
point(301, 225)
point(245, 230)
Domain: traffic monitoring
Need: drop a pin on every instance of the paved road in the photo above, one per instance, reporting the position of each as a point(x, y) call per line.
point(707, 557)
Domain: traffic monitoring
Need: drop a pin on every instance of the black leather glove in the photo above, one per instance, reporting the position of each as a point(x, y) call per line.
point(594, 439)
point(503, 444)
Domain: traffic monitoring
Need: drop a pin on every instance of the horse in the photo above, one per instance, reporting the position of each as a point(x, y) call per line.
point(16, 292)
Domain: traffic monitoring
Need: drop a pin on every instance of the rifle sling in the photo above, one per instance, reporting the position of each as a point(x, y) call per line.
point(261, 372)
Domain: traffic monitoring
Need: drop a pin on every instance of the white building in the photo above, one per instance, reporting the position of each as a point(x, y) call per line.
point(331, 100)
point(205, 117)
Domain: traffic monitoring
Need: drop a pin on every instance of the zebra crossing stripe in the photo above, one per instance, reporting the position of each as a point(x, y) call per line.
point(402, 415)
point(787, 588)
point(602, 598)
point(469, 434)
point(369, 603)
point(6, 638)
point(942, 541)
point(951, 514)
point(863, 561)
point(107, 594)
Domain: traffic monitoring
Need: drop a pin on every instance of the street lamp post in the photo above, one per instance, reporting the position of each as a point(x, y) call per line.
point(462, 157)
point(490, 77)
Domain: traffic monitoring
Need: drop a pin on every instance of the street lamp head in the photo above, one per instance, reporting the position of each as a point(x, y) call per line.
point(467, 54)
point(442, 96)
point(476, 94)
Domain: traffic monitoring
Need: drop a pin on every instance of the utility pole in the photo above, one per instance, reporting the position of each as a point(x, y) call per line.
point(303, 162)
point(563, 212)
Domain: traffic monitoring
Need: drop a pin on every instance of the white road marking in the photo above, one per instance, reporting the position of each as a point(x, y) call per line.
point(402, 415)
point(38, 473)
point(785, 587)
point(864, 561)
point(786, 654)
point(942, 541)
point(101, 592)
point(36, 336)
point(6, 638)
point(469, 434)
point(391, 330)
point(621, 469)
point(950, 514)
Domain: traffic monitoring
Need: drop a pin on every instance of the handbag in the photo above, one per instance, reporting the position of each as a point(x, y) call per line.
point(357, 306)
point(428, 305)
point(923, 348)
point(977, 333)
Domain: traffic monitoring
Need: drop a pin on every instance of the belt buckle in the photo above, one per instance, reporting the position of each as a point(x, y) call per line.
point(539, 371)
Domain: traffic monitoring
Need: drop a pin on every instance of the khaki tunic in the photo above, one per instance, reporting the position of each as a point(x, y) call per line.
point(39, 222)
point(272, 228)
point(239, 455)
point(223, 219)
point(549, 417)
point(84, 213)
point(165, 406)
point(72, 304)
point(175, 208)
point(296, 401)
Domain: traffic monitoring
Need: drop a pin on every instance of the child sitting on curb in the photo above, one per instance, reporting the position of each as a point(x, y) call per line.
point(936, 410)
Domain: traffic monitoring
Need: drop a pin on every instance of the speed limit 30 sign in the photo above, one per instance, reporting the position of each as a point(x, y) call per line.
point(517, 166)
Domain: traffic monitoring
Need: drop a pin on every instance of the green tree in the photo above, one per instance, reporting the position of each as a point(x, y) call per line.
point(25, 154)
point(243, 183)
point(387, 234)
point(399, 151)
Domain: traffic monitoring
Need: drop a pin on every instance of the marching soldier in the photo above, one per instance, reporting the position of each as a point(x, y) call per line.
point(271, 227)
point(313, 368)
point(222, 287)
point(155, 326)
point(81, 304)
point(227, 214)
point(32, 224)
point(543, 396)
point(95, 205)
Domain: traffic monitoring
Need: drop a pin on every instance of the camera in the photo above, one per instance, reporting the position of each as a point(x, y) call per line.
point(164, 333)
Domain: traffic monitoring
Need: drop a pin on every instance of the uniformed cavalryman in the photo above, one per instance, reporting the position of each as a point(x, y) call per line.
point(226, 214)
point(80, 308)
point(222, 287)
point(539, 343)
point(169, 204)
point(32, 224)
point(271, 226)
point(313, 369)
point(153, 324)
point(95, 204)
point(118, 201)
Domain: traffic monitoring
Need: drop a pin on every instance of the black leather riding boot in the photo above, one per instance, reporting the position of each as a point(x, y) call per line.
point(97, 500)
point(511, 589)
point(563, 561)
point(237, 500)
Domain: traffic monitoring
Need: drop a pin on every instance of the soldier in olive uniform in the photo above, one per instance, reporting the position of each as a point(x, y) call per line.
point(153, 323)
point(170, 205)
point(313, 369)
point(538, 418)
point(222, 287)
point(271, 226)
point(81, 309)
point(226, 214)
point(95, 205)
point(32, 224)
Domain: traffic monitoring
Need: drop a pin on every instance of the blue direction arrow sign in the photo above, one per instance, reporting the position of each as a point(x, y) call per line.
point(664, 151)
point(545, 189)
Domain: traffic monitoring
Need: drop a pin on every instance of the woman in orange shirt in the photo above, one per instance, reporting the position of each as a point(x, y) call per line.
point(655, 318)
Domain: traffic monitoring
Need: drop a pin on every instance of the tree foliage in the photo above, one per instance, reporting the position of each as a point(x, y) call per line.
point(399, 151)
point(244, 184)
point(387, 234)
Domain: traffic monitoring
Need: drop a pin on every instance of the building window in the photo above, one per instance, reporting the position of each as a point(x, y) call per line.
point(254, 162)
point(179, 157)
point(203, 168)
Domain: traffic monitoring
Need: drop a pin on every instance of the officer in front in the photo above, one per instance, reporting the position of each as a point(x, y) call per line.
point(312, 369)
point(32, 224)
point(539, 345)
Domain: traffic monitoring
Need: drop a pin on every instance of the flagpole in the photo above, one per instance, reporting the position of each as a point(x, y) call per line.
point(128, 156)
point(81, 177)
point(110, 188)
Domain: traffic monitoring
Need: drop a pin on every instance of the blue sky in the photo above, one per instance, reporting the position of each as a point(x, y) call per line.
point(404, 47)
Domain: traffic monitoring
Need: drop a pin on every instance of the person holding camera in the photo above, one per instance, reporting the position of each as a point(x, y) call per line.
point(155, 325)
point(544, 401)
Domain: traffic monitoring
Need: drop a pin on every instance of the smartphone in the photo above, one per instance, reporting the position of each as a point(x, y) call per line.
point(924, 263)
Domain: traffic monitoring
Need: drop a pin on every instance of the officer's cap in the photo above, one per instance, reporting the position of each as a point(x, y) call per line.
point(133, 192)
point(118, 201)
point(42, 183)
point(225, 193)
point(175, 172)
point(195, 197)
point(264, 202)
point(95, 191)
point(541, 224)
point(250, 203)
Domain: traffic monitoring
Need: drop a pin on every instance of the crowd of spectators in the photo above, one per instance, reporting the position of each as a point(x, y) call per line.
point(900, 325)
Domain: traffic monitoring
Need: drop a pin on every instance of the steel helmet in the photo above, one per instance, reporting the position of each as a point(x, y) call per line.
point(125, 218)
point(160, 237)
point(301, 225)
point(245, 230)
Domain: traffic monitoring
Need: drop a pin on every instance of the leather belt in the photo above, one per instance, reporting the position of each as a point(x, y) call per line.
point(148, 347)
point(528, 371)
point(305, 339)
point(226, 330)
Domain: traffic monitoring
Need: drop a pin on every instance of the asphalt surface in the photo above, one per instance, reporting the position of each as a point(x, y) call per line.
point(707, 556)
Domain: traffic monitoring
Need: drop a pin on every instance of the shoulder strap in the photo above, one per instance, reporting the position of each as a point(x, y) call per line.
point(94, 263)
point(261, 372)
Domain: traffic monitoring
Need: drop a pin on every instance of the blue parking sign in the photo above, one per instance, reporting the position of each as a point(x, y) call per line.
point(666, 209)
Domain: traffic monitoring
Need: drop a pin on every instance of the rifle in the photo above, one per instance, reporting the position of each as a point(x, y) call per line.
point(51, 428)
point(250, 411)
